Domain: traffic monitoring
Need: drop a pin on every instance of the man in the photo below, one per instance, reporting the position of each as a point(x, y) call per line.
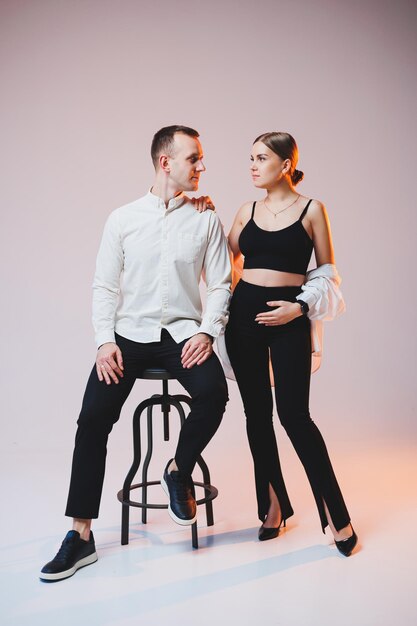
point(147, 311)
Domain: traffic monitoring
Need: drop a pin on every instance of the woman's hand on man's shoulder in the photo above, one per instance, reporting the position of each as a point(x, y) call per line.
point(202, 203)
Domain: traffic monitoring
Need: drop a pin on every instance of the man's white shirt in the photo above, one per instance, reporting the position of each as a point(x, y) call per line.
point(148, 270)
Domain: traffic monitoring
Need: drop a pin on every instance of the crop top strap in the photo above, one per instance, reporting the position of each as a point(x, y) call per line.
point(253, 210)
point(305, 211)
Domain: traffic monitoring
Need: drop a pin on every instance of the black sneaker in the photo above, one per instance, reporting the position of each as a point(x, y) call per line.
point(73, 554)
point(180, 490)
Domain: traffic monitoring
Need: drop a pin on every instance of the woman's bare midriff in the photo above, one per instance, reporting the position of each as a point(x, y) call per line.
point(272, 278)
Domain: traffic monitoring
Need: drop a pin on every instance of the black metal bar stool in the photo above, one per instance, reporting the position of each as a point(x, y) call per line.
point(165, 401)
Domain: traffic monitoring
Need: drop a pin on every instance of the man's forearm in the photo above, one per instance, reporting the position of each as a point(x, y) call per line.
point(104, 312)
point(218, 278)
point(106, 285)
point(216, 312)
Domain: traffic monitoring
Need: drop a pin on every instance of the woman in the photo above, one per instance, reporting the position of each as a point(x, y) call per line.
point(269, 321)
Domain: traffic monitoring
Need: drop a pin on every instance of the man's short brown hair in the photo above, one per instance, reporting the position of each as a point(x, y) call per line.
point(163, 140)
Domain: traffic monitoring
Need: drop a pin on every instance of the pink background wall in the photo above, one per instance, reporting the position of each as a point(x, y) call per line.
point(85, 84)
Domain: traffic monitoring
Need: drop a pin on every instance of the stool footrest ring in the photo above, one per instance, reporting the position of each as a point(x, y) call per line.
point(213, 493)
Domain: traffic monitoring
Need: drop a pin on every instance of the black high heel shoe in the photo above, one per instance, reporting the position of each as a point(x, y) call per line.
point(345, 546)
point(270, 533)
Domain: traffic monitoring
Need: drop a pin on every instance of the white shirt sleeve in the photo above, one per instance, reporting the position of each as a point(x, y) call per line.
point(217, 274)
point(322, 293)
point(106, 284)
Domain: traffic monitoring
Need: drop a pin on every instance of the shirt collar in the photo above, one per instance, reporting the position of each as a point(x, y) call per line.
point(174, 203)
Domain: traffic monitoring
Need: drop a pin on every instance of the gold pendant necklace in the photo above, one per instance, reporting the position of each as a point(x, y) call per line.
point(281, 210)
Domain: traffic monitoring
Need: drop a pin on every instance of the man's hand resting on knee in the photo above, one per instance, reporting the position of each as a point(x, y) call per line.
point(196, 350)
point(109, 363)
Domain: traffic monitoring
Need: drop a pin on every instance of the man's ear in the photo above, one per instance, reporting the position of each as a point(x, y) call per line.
point(164, 163)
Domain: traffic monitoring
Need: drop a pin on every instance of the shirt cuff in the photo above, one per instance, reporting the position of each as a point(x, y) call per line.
point(308, 297)
point(213, 329)
point(105, 336)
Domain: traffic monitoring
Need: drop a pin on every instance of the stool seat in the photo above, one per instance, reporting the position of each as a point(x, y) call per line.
point(156, 373)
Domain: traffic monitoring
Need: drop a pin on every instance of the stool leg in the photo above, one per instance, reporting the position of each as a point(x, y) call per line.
point(146, 464)
point(194, 535)
point(125, 524)
point(176, 401)
point(132, 472)
point(207, 481)
point(165, 408)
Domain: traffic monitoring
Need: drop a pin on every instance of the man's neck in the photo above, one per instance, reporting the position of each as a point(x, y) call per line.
point(165, 190)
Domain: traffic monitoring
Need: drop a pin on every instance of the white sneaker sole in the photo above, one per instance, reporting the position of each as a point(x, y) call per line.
point(87, 560)
point(178, 520)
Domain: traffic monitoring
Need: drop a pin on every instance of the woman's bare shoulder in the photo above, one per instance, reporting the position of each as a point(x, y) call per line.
point(316, 210)
point(244, 212)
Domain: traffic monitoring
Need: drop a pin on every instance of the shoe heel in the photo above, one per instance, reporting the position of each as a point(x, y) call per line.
point(346, 546)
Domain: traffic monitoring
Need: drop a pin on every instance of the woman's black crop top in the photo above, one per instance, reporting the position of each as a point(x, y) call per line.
point(287, 250)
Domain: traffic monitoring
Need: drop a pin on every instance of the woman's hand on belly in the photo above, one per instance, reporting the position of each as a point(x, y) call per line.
point(282, 313)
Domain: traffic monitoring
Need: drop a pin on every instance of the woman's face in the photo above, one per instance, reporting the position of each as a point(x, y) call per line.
point(267, 168)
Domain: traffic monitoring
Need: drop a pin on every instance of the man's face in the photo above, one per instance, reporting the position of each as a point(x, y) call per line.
point(186, 164)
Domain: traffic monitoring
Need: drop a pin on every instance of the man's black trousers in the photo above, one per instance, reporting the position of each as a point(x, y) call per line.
point(102, 404)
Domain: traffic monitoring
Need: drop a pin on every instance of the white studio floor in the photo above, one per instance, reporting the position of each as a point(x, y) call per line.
point(297, 579)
